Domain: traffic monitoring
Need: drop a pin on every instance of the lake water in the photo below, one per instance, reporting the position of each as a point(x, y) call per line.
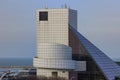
point(16, 61)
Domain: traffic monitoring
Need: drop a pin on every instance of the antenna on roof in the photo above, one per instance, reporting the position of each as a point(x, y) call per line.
point(69, 7)
point(65, 6)
point(46, 6)
point(61, 6)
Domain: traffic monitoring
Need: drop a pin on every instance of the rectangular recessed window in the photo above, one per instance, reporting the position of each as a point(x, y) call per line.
point(43, 16)
point(54, 74)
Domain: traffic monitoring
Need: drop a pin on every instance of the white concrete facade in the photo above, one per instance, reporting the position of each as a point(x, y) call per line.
point(55, 30)
point(48, 72)
point(53, 51)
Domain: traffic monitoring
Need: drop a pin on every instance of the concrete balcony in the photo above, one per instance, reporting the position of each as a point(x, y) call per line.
point(53, 63)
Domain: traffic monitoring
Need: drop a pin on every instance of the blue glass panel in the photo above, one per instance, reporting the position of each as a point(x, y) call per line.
point(109, 68)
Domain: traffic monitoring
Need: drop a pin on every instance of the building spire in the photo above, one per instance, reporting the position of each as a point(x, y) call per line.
point(65, 6)
point(46, 6)
point(61, 6)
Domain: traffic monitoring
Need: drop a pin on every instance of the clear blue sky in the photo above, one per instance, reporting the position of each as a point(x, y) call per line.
point(98, 20)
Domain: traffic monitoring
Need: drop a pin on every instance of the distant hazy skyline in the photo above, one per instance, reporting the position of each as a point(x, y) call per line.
point(98, 21)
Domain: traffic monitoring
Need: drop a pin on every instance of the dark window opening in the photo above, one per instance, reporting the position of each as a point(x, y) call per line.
point(54, 74)
point(43, 16)
point(63, 71)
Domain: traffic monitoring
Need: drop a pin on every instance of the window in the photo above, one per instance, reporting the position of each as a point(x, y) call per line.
point(54, 74)
point(43, 16)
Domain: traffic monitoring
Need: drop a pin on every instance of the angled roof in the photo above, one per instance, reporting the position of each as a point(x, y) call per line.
point(109, 68)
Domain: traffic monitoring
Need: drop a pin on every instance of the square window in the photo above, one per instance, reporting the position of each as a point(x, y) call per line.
point(43, 16)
